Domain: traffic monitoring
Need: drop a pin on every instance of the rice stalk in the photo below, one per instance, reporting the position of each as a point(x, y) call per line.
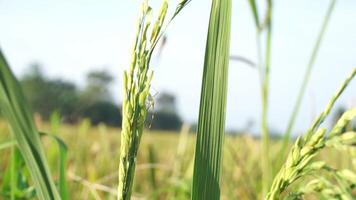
point(211, 123)
point(253, 6)
point(305, 81)
point(306, 148)
point(14, 108)
point(265, 78)
point(264, 65)
point(137, 83)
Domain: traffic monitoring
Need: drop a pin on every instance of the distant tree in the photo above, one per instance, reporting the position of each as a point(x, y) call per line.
point(166, 103)
point(96, 101)
point(103, 112)
point(97, 87)
point(45, 96)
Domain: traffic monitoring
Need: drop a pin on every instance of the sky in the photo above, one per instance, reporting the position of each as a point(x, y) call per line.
point(72, 37)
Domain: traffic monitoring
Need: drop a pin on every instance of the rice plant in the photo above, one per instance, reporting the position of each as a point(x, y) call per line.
point(299, 161)
point(137, 83)
point(339, 186)
point(197, 176)
point(264, 67)
point(305, 81)
point(14, 108)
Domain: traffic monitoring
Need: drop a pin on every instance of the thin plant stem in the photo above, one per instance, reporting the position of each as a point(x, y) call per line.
point(305, 81)
point(266, 162)
point(13, 171)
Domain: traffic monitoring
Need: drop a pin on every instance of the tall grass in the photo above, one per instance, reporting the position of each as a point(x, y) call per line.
point(14, 108)
point(264, 67)
point(211, 124)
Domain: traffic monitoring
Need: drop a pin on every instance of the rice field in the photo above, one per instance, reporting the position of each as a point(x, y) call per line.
point(164, 165)
point(54, 161)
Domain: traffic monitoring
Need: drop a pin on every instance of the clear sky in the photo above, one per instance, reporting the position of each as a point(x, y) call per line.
point(72, 37)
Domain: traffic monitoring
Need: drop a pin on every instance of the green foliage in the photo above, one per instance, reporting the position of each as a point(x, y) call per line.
point(46, 96)
point(15, 109)
point(62, 163)
point(102, 112)
point(325, 188)
point(211, 124)
point(96, 89)
point(299, 161)
point(137, 83)
point(27, 174)
point(16, 181)
point(7, 144)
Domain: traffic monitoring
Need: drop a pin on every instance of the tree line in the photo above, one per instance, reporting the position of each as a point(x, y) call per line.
point(94, 101)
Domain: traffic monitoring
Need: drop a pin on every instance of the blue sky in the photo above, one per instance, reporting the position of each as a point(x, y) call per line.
point(73, 37)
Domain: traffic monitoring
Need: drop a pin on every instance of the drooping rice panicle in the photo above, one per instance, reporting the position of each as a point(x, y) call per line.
point(305, 148)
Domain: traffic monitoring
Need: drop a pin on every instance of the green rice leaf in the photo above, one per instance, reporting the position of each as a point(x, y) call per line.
point(254, 10)
point(7, 144)
point(14, 108)
point(62, 150)
point(211, 125)
point(15, 181)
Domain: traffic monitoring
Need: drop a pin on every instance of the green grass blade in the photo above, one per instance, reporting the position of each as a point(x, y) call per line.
point(305, 81)
point(152, 160)
point(62, 150)
point(15, 109)
point(254, 10)
point(13, 173)
point(211, 125)
point(15, 182)
point(7, 144)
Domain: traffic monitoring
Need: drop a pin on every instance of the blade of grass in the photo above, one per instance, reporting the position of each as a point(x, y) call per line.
point(254, 10)
point(211, 125)
point(7, 144)
point(15, 109)
point(152, 160)
point(305, 82)
point(13, 173)
point(62, 151)
point(15, 180)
